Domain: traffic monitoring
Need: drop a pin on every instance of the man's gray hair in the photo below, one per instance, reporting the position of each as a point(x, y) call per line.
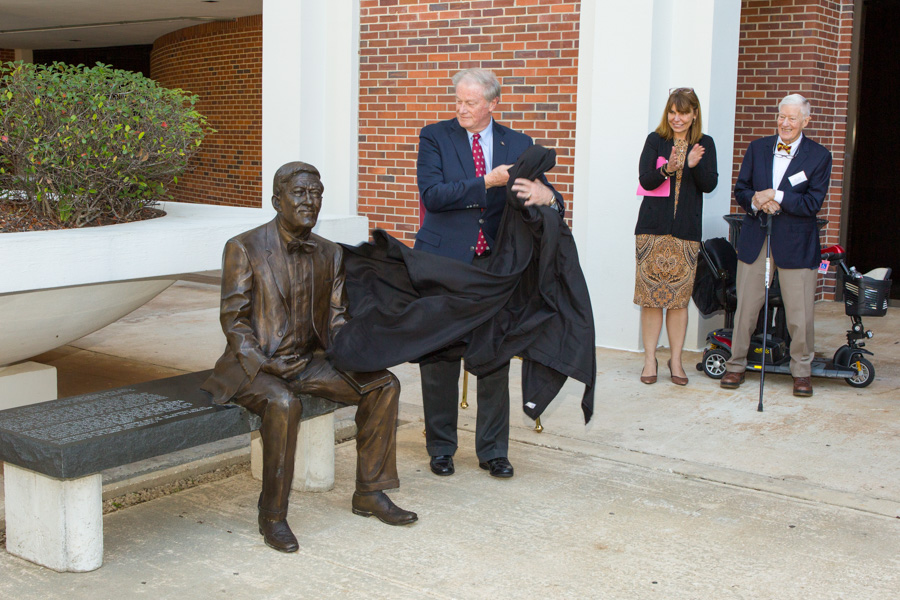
point(482, 77)
point(796, 100)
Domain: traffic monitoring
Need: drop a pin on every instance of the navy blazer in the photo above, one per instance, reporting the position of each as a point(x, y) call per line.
point(456, 202)
point(795, 234)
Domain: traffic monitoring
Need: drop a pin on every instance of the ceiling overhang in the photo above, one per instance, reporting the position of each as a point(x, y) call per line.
point(54, 24)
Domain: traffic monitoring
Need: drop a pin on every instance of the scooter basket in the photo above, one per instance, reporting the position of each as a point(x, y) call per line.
point(866, 297)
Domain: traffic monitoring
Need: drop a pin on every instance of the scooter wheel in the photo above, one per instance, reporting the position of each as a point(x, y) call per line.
point(865, 374)
point(714, 363)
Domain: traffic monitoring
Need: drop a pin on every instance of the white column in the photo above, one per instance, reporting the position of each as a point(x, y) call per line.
point(708, 63)
point(314, 459)
point(57, 523)
point(614, 63)
point(281, 89)
point(626, 67)
point(311, 97)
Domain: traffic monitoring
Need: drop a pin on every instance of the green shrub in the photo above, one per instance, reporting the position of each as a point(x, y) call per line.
point(78, 144)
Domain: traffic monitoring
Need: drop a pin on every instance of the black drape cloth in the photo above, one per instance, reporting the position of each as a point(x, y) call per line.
point(531, 301)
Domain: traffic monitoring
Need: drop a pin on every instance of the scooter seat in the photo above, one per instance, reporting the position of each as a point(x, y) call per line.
point(881, 273)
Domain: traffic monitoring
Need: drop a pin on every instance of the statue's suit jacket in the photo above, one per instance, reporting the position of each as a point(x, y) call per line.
point(255, 313)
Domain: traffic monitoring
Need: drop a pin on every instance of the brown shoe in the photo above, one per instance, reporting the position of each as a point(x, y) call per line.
point(802, 387)
point(648, 379)
point(676, 379)
point(732, 380)
point(379, 505)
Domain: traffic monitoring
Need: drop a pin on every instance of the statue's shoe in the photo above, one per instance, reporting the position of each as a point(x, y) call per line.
point(278, 535)
point(379, 505)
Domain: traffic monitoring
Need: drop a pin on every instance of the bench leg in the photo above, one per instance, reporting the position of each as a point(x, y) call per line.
point(314, 461)
point(56, 523)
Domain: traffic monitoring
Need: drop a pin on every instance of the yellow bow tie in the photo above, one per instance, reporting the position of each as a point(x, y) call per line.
point(784, 147)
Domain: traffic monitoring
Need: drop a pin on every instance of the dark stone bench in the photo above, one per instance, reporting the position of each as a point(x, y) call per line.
point(54, 452)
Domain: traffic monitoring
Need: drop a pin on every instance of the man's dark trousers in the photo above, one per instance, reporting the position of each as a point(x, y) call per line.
point(440, 384)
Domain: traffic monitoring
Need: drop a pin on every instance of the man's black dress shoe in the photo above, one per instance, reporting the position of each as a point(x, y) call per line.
point(499, 467)
point(278, 535)
point(379, 505)
point(442, 465)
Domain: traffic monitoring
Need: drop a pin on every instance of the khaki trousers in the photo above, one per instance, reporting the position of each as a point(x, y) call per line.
point(798, 291)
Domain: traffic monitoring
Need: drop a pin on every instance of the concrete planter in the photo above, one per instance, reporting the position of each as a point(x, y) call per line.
point(36, 321)
point(57, 286)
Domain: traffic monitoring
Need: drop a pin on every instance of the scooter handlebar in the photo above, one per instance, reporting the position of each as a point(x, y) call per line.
point(833, 256)
point(834, 253)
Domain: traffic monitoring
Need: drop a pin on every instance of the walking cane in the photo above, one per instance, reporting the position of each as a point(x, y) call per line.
point(762, 372)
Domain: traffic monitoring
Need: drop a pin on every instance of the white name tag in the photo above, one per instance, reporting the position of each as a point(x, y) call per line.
point(797, 178)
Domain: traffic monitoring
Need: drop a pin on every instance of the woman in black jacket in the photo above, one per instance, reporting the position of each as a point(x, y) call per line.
point(680, 156)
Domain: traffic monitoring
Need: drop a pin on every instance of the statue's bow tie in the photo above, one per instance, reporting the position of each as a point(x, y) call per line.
point(307, 246)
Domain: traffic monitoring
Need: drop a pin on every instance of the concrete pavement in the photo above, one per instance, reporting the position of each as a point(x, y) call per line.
point(669, 493)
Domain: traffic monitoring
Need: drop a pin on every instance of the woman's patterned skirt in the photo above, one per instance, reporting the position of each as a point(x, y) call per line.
point(665, 271)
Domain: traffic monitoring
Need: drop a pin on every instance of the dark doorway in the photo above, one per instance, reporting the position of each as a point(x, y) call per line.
point(874, 204)
point(127, 58)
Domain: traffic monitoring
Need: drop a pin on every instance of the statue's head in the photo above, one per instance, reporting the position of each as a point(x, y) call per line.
point(297, 195)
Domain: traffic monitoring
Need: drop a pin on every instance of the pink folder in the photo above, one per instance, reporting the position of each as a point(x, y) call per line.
point(661, 191)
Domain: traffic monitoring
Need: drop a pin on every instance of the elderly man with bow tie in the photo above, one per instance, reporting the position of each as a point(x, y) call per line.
point(785, 174)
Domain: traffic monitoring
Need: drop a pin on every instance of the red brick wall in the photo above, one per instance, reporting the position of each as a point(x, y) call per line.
point(408, 52)
point(797, 46)
point(7, 55)
point(221, 63)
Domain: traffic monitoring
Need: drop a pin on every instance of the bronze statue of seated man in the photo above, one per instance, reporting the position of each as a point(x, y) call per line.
point(283, 300)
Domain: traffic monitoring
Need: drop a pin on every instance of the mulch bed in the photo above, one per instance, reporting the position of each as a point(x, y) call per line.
point(15, 217)
point(167, 489)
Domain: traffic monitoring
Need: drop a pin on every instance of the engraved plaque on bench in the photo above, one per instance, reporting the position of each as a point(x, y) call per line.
point(77, 436)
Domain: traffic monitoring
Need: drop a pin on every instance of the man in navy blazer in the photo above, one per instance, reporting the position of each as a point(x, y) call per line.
point(462, 176)
point(787, 175)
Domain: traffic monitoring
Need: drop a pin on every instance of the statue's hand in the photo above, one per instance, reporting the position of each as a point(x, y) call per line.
point(286, 367)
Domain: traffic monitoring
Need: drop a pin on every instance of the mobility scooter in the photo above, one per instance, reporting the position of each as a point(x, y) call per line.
point(864, 296)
